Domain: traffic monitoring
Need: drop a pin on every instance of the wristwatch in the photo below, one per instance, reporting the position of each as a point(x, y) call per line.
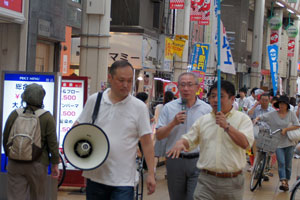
point(227, 127)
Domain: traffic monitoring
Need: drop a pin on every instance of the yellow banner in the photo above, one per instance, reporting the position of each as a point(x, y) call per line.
point(178, 47)
point(180, 37)
point(168, 49)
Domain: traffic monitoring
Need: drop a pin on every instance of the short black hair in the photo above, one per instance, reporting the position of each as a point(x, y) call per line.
point(225, 85)
point(143, 96)
point(169, 96)
point(253, 90)
point(265, 94)
point(243, 90)
point(293, 101)
point(274, 99)
point(119, 64)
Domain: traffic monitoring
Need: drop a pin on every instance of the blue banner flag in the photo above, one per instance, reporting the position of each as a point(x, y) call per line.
point(273, 58)
point(199, 57)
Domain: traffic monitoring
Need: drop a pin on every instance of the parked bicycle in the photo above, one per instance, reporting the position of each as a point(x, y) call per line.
point(139, 187)
point(266, 143)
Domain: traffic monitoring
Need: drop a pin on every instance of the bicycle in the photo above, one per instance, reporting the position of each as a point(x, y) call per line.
point(139, 188)
point(266, 144)
point(294, 192)
point(62, 169)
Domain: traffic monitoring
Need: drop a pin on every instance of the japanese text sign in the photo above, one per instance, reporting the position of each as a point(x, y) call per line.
point(274, 37)
point(168, 49)
point(273, 59)
point(176, 4)
point(72, 101)
point(200, 11)
point(291, 47)
point(199, 57)
point(171, 86)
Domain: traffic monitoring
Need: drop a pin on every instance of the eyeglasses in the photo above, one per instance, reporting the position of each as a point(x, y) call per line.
point(189, 85)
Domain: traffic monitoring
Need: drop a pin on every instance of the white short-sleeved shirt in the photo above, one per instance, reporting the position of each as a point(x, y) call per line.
point(124, 123)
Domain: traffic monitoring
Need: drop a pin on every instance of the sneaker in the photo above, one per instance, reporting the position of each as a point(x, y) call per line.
point(266, 178)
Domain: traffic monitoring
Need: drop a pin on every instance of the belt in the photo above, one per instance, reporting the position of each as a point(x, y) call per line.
point(221, 174)
point(189, 156)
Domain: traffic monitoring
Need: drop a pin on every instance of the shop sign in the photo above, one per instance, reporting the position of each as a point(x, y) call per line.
point(265, 72)
point(292, 31)
point(176, 4)
point(13, 5)
point(275, 23)
point(200, 11)
point(291, 47)
point(172, 86)
point(273, 59)
point(274, 37)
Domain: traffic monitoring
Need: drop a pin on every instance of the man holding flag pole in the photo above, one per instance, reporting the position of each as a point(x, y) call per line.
point(222, 130)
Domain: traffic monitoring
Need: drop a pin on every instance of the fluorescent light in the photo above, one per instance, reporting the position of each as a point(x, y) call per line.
point(140, 78)
point(161, 79)
point(290, 10)
point(279, 4)
point(298, 16)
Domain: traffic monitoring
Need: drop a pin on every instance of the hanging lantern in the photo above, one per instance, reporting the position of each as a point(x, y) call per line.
point(275, 23)
point(292, 31)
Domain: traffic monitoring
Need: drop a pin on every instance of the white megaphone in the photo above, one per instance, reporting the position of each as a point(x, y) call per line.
point(86, 146)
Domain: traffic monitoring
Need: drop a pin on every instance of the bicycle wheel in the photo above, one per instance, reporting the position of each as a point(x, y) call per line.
point(140, 186)
point(295, 195)
point(62, 171)
point(257, 173)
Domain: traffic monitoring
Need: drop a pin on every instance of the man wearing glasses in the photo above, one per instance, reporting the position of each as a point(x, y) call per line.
point(175, 119)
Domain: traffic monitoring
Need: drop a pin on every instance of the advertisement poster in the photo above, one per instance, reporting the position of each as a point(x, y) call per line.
point(291, 47)
point(71, 105)
point(13, 5)
point(200, 11)
point(176, 4)
point(171, 86)
point(273, 59)
point(13, 87)
point(274, 37)
point(199, 64)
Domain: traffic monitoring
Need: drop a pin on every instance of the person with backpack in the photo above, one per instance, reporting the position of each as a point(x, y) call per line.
point(30, 143)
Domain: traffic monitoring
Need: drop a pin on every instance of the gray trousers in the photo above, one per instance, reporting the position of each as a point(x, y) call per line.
point(26, 181)
point(210, 187)
point(182, 178)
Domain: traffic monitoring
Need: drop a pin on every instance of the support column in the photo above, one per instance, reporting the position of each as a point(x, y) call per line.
point(94, 45)
point(257, 43)
point(182, 28)
point(294, 60)
point(23, 39)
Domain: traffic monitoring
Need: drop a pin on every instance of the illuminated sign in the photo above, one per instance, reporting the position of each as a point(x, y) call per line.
point(13, 5)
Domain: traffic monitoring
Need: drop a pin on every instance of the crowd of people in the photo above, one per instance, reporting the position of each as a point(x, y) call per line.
point(190, 133)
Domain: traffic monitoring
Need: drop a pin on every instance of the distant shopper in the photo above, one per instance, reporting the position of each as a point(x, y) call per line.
point(26, 179)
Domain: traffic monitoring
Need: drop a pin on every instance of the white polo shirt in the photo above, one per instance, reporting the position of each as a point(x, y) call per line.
point(124, 123)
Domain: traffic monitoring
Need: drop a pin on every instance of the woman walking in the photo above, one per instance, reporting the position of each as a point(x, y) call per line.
point(285, 120)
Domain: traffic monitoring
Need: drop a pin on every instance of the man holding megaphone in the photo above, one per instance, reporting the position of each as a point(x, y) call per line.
point(125, 120)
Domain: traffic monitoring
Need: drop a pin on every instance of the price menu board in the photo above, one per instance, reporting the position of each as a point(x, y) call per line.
point(73, 97)
point(14, 84)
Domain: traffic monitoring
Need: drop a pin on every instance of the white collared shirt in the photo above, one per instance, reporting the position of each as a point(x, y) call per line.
point(124, 123)
point(218, 151)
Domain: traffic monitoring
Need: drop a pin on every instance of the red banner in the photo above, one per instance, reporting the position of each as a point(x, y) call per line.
point(14, 5)
point(291, 47)
point(176, 4)
point(274, 37)
point(200, 11)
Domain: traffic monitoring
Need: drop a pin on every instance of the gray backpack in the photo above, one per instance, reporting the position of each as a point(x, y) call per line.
point(24, 142)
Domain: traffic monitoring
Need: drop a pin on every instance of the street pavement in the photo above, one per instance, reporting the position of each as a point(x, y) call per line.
point(268, 191)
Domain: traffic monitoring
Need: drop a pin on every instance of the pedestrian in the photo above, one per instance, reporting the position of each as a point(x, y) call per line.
point(28, 179)
point(242, 102)
point(160, 145)
point(285, 120)
point(175, 119)
point(125, 120)
point(223, 138)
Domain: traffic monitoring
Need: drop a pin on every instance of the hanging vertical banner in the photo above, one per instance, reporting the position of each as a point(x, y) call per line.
point(178, 47)
point(291, 47)
point(274, 37)
point(176, 4)
point(273, 59)
point(199, 64)
point(168, 49)
point(200, 11)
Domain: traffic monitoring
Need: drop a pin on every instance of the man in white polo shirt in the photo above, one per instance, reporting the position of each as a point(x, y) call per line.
point(125, 120)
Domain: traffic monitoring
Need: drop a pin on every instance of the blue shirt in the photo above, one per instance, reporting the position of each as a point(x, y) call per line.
point(169, 112)
point(259, 111)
